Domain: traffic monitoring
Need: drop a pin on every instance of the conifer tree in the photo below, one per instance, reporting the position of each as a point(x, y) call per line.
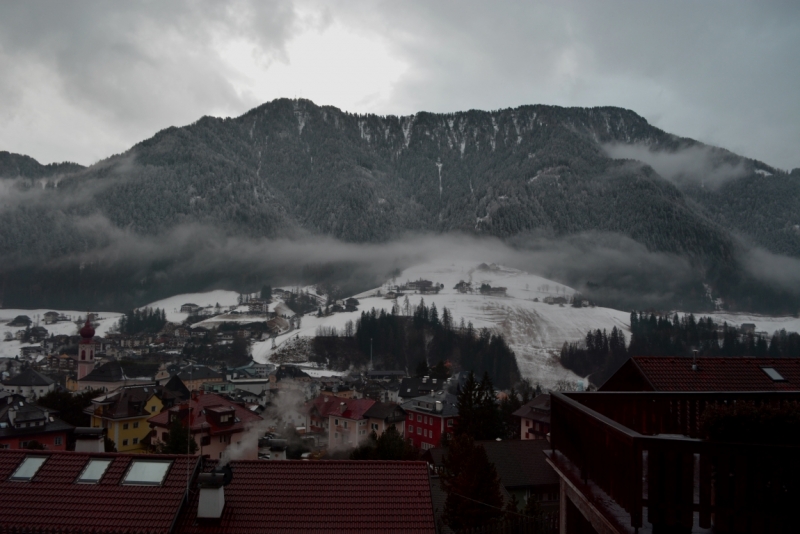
point(472, 485)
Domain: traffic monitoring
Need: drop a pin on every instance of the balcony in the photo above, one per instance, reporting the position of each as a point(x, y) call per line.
point(635, 461)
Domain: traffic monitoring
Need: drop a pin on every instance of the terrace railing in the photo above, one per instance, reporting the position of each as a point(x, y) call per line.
point(643, 451)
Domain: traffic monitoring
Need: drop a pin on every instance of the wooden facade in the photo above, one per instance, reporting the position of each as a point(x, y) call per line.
point(635, 460)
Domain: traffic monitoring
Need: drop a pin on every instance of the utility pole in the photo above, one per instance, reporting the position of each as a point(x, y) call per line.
point(371, 366)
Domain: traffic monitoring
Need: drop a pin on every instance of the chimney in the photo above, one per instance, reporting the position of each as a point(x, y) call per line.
point(694, 361)
point(212, 492)
point(438, 406)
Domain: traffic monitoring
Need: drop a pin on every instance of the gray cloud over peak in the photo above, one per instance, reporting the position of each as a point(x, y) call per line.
point(82, 80)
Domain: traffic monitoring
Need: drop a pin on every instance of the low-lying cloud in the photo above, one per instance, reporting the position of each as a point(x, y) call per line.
point(701, 164)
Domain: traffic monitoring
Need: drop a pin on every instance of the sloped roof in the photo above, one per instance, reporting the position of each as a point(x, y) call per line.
point(426, 403)
point(321, 496)
point(131, 401)
point(718, 373)
point(414, 386)
point(28, 377)
point(196, 409)
point(53, 502)
point(382, 410)
point(537, 409)
point(25, 413)
point(337, 406)
point(521, 463)
point(177, 387)
point(199, 372)
point(108, 372)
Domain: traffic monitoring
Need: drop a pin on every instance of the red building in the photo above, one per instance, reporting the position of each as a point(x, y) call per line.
point(216, 423)
point(109, 493)
point(660, 373)
point(23, 425)
point(429, 417)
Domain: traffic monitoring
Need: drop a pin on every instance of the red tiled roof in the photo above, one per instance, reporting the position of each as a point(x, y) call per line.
point(719, 373)
point(52, 502)
point(353, 408)
point(199, 405)
point(320, 496)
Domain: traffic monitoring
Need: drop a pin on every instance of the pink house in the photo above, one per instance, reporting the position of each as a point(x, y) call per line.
point(216, 423)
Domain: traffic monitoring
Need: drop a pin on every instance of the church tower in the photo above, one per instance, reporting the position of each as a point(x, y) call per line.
point(86, 349)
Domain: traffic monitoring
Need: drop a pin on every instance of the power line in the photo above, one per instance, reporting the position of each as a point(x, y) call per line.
point(491, 505)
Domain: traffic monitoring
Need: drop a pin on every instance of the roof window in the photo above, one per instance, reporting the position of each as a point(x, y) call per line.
point(147, 472)
point(28, 468)
point(773, 374)
point(94, 471)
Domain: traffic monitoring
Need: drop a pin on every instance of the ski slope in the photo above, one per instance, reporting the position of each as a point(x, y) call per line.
point(534, 330)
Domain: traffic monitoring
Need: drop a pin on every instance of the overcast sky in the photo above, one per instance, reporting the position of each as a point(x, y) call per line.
point(83, 80)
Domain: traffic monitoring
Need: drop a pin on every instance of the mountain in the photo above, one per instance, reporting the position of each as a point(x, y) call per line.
point(18, 166)
point(292, 169)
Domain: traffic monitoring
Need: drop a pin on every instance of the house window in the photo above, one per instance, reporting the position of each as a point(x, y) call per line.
point(28, 468)
point(773, 374)
point(411, 429)
point(147, 472)
point(345, 424)
point(450, 422)
point(136, 424)
point(124, 442)
point(125, 426)
point(152, 409)
point(419, 431)
point(135, 441)
point(374, 426)
point(336, 422)
point(57, 440)
point(419, 418)
point(94, 471)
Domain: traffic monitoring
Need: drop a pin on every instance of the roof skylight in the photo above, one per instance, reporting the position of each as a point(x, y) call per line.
point(147, 472)
point(773, 374)
point(28, 468)
point(94, 470)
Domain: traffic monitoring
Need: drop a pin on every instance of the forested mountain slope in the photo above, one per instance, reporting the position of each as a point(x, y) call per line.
point(290, 168)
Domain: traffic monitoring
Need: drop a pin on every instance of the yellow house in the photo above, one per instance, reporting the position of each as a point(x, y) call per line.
point(124, 413)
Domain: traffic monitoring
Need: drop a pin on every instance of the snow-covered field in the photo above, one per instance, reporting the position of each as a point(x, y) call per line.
point(534, 330)
point(172, 305)
point(763, 323)
point(10, 349)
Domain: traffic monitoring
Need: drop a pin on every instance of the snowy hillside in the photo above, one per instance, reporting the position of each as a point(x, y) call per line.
point(10, 349)
point(534, 330)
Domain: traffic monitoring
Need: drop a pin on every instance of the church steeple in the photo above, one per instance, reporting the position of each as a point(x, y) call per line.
point(86, 349)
